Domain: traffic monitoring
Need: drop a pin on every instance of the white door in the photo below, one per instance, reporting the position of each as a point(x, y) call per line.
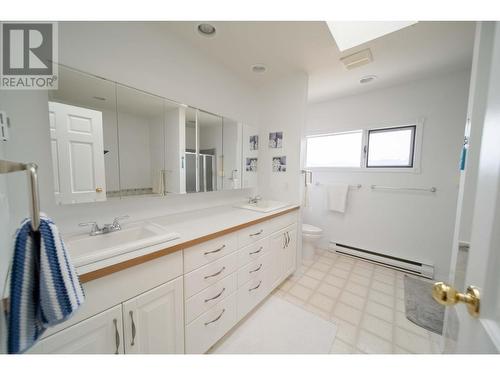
point(154, 321)
point(463, 332)
point(77, 153)
point(100, 334)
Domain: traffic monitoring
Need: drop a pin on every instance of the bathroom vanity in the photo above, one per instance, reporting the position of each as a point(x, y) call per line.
point(183, 295)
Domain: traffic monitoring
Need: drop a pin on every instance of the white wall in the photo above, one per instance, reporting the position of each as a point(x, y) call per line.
point(408, 225)
point(135, 156)
point(283, 109)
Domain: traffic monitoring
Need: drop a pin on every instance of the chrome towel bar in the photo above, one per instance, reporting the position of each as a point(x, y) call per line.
point(31, 170)
point(431, 189)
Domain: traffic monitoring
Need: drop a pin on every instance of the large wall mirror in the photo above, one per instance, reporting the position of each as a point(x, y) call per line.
point(114, 141)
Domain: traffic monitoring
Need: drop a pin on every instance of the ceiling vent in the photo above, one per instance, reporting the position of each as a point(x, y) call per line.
point(357, 59)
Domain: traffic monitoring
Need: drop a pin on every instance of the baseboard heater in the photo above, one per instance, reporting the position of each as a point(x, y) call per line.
point(400, 264)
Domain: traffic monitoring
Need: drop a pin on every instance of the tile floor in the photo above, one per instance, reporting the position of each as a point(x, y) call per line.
point(366, 301)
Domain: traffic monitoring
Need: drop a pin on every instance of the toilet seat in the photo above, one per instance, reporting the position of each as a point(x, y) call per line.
point(311, 229)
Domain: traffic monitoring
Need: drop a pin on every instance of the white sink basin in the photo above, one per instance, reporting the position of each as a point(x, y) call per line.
point(263, 206)
point(85, 249)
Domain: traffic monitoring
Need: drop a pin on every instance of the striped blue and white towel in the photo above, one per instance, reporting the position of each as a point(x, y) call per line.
point(44, 286)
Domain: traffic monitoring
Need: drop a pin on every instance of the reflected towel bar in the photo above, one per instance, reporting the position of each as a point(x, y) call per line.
point(358, 186)
point(31, 170)
point(431, 189)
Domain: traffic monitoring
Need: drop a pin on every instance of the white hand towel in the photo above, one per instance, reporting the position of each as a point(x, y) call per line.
point(337, 197)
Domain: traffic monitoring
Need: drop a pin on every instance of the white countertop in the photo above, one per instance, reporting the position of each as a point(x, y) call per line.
point(190, 226)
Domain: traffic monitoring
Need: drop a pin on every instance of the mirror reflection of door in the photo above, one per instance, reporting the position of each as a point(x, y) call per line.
point(204, 151)
point(83, 132)
point(209, 151)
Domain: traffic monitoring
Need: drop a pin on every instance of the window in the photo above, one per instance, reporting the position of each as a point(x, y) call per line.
point(391, 147)
point(376, 149)
point(335, 150)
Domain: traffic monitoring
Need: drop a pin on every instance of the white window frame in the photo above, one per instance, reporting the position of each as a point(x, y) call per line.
point(417, 150)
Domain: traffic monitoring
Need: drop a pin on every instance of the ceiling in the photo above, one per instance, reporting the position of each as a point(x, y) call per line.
point(421, 50)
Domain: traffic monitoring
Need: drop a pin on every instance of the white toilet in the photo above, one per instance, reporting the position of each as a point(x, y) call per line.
point(310, 237)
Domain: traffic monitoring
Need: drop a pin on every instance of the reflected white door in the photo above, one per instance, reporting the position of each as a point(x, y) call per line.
point(463, 332)
point(77, 153)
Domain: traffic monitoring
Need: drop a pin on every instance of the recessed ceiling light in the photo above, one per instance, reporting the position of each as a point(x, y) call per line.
point(367, 79)
point(259, 68)
point(206, 29)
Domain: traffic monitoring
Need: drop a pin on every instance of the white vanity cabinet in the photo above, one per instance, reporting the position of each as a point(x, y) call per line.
point(100, 334)
point(153, 321)
point(182, 302)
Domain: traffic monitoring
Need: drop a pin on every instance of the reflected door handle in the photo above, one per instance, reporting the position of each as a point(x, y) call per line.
point(449, 296)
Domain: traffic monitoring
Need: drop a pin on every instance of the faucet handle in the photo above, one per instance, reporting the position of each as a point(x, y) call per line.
point(116, 220)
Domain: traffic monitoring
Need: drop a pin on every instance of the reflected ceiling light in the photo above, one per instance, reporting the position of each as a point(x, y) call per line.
point(206, 29)
point(368, 79)
point(259, 68)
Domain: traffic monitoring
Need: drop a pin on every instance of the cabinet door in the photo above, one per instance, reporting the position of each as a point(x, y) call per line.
point(289, 257)
point(154, 321)
point(100, 334)
point(277, 247)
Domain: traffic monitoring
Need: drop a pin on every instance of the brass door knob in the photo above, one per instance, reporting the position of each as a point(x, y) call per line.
point(98, 190)
point(448, 296)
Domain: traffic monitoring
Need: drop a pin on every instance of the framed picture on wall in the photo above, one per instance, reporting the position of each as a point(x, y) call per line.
point(251, 165)
point(276, 140)
point(279, 163)
point(254, 142)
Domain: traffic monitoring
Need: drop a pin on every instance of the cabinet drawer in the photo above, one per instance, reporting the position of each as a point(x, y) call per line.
point(281, 222)
point(209, 297)
point(251, 293)
point(206, 252)
point(254, 270)
point(252, 234)
point(205, 276)
point(252, 252)
point(204, 332)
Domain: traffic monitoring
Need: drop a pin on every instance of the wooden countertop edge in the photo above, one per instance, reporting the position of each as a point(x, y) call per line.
point(105, 271)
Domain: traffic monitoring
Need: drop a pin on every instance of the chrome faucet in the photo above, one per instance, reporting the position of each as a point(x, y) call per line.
point(107, 228)
point(254, 200)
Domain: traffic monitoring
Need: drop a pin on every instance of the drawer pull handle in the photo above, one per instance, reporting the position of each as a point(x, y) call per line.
point(255, 287)
point(256, 251)
point(117, 336)
point(213, 321)
point(257, 269)
point(257, 233)
point(214, 251)
point(133, 327)
point(217, 296)
point(216, 274)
